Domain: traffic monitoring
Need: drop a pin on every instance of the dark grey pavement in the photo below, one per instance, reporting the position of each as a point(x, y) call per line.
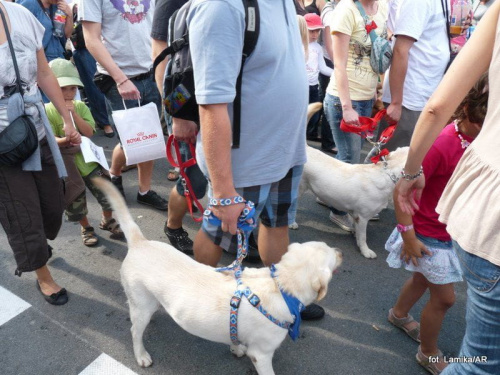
point(92, 331)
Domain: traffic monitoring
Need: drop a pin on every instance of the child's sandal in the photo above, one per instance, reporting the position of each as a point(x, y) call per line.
point(112, 226)
point(89, 237)
point(402, 322)
point(431, 367)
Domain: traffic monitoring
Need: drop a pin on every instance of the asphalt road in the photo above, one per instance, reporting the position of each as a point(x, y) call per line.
point(91, 334)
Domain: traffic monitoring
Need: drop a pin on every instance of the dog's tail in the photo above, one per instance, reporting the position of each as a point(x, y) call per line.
point(130, 228)
point(312, 109)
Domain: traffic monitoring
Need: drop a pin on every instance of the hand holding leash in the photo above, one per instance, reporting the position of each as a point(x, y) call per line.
point(394, 113)
point(229, 211)
point(184, 130)
point(350, 116)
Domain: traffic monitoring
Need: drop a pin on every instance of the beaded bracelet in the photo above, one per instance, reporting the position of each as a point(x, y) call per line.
point(411, 177)
point(121, 83)
point(226, 201)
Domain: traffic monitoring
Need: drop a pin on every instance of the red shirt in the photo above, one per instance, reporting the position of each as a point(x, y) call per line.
point(438, 165)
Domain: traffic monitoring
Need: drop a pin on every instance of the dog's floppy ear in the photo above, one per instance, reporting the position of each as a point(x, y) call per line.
point(320, 284)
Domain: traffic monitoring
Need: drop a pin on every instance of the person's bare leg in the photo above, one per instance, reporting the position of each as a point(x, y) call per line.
point(118, 160)
point(145, 172)
point(273, 243)
point(412, 290)
point(47, 283)
point(177, 208)
point(205, 251)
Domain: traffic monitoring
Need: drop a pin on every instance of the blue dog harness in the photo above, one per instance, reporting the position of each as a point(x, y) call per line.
point(246, 223)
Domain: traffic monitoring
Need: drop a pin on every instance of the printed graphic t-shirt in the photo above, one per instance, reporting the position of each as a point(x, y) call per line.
point(57, 124)
point(347, 20)
point(126, 29)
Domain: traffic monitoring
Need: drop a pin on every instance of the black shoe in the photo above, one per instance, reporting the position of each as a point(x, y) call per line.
point(154, 200)
point(117, 181)
point(59, 298)
point(49, 249)
point(312, 312)
point(179, 239)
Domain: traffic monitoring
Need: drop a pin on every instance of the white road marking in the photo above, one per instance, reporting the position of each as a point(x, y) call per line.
point(10, 305)
point(105, 365)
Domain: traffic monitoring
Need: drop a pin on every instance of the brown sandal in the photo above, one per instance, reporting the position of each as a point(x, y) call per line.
point(402, 322)
point(431, 367)
point(89, 237)
point(112, 225)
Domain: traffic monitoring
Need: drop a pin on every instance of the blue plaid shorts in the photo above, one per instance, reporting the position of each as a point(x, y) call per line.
point(275, 206)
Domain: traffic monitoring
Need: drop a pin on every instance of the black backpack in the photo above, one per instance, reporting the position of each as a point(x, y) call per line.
point(178, 86)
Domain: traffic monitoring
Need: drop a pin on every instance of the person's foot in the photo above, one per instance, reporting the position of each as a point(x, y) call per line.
point(127, 168)
point(375, 217)
point(151, 198)
point(344, 222)
point(52, 293)
point(332, 151)
point(312, 312)
point(108, 131)
point(89, 237)
point(117, 181)
point(173, 175)
point(179, 239)
point(436, 366)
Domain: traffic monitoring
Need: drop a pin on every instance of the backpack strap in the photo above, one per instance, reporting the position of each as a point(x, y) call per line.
point(372, 33)
point(252, 28)
point(173, 45)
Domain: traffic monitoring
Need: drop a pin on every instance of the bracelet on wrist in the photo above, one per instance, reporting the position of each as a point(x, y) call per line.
point(411, 177)
point(122, 82)
point(404, 228)
point(226, 201)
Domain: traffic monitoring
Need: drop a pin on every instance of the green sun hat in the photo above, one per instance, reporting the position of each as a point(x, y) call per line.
point(65, 72)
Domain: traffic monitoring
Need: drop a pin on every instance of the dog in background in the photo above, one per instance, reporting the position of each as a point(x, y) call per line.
point(197, 297)
point(362, 190)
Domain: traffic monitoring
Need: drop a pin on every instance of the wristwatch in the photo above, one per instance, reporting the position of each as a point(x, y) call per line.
point(404, 228)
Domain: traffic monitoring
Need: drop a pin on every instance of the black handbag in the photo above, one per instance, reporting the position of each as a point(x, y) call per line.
point(19, 140)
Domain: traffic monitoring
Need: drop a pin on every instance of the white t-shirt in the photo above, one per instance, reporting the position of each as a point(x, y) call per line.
point(316, 63)
point(423, 21)
point(126, 30)
point(26, 33)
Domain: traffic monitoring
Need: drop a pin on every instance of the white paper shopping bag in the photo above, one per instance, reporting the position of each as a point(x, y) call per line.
point(140, 133)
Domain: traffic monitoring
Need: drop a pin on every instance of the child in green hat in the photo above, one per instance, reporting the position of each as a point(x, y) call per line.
point(76, 207)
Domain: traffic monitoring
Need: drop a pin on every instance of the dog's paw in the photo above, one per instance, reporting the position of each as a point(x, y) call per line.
point(238, 350)
point(144, 360)
point(369, 253)
point(294, 225)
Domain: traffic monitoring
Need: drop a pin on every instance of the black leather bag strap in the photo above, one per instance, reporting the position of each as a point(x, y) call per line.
point(446, 14)
point(13, 54)
point(252, 29)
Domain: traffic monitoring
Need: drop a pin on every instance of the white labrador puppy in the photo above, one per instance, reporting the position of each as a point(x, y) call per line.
point(362, 190)
point(197, 297)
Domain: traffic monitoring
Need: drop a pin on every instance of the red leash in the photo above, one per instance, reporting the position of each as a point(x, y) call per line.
point(366, 129)
point(175, 162)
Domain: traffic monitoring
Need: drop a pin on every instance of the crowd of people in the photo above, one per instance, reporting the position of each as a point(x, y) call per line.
point(306, 52)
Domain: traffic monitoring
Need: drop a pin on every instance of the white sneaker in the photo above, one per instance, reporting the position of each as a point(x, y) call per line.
point(345, 222)
point(375, 217)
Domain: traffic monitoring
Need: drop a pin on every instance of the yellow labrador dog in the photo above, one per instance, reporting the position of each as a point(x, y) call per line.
point(197, 297)
point(362, 190)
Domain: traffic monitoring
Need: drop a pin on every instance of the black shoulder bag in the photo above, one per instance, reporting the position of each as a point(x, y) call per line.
point(19, 140)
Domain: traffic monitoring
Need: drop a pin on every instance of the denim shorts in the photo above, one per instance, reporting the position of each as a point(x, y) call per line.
point(149, 94)
point(196, 177)
point(275, 205)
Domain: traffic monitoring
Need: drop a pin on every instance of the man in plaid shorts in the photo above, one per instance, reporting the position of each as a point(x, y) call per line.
point(267, 167)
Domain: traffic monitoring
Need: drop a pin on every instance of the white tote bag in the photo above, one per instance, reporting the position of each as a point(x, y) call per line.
point(140, 133)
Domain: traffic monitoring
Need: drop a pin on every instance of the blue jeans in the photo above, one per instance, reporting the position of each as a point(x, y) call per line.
point(348, 144)
point(482, 332)
point(86, 66)
point(312, 125)
point(149, 94)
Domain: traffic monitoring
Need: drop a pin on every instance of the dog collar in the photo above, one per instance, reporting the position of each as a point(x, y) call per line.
point(294, 305)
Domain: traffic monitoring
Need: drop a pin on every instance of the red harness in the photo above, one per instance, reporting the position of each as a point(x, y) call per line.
point(188, 189)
